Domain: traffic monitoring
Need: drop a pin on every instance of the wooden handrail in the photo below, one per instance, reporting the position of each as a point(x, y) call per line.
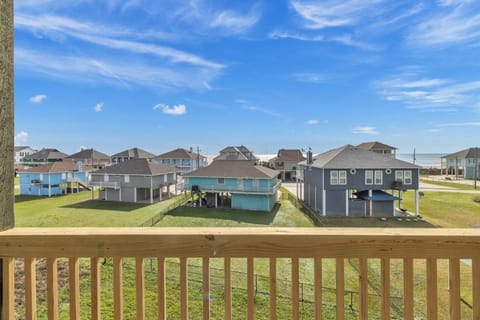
point(207, 243)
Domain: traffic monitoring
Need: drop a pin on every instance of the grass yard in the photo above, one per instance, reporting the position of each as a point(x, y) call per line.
point(453, 185)
point(77, 210)
point(446, 209)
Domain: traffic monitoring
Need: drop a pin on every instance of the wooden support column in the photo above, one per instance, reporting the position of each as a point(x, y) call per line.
point(324, 202)
point(6, 116)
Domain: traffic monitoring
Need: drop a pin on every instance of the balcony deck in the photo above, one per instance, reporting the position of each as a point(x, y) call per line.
point(227, 243)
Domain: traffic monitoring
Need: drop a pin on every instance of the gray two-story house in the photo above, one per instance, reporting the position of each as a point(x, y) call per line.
point(135, 180)
point(350, 181)
point(186, 161)
point(286, 162)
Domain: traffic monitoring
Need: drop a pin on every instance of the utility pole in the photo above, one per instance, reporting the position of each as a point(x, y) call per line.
point(198, 157)
point(475, 174)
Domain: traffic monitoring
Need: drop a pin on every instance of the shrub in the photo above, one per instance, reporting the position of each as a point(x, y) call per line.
point(476, 199)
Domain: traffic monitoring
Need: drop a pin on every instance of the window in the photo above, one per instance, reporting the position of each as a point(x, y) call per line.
point(64, 175)
point(378, 177)
point(399, 175)
point(256, 183)
point(221, 181)
point(105, 178)
point(368, 177)
point(333, 177)
point(338, 177)
point(407, 176)
point(342, 177)
point(127, 179)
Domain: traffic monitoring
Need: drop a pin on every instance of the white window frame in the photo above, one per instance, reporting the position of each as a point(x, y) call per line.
point(127, 179)
point(369, 177)
point(408, 180)
point(378, 177)
point(334, 177)
point(342, 177)
point(64, 175)
point(105, 178)
point(399, 175)
point(220, 180)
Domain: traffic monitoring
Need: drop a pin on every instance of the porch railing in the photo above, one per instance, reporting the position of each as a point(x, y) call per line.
point(317, 244)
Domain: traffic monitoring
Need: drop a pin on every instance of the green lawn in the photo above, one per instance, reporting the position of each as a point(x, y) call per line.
point(77, 210)
point(446, 209)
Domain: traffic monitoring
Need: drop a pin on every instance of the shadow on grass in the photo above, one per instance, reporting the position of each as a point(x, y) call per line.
point(372, 222)
point(23, 198)
point(240, 216)
point(106, 205)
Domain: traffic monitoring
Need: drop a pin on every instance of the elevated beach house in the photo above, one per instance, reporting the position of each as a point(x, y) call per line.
point(51, 179)
point(286, 162)
point(44, 156)
point(133, 153)
point(135, 180)
point(237, 184)
point(21, 152)
point(90, 157)
point(462, 164)
point(350, 181)
point(185, 160)
point(379, 147)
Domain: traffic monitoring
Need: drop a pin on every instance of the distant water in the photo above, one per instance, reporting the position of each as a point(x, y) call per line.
point(425, 160)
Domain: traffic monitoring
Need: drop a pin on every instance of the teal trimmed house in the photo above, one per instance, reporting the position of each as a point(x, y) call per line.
point(236, 184)
point(462, 164)
point(51, 179)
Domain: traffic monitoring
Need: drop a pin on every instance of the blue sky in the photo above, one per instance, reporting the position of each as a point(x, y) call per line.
point(113, 74)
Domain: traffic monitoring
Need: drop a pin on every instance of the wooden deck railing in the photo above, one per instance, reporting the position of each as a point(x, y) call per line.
point(316, 244)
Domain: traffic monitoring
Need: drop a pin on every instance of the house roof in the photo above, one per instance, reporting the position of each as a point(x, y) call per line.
point(179, 153)
point(88, 154)
point(291, 155)
point(59, 166)
point(20, 148)
point(350, 157)
point(47, 154)
point(236, 153)
point(375, 145)
point(138, 167)
point(234, 169)
point(136, 153)
point(464, 154)
point(377, 195)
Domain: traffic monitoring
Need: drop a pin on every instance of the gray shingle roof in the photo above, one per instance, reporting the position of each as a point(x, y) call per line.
point(234, 169)
point(236, 153)
point(179, 153)
point(350, 157)
point(469, 153)
point(88, 154)
point(136, 153)
point(289, 155)
point(375, 145)
point(47, 154)
point(59, 166)
point(138, 167)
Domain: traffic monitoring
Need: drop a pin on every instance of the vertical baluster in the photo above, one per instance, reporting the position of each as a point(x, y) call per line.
point(295, 290)
point(117, 288)
point(476, 288)
point(273, 288)
point(95, 288)
point(162, 289)
point(318, 287)
point(228, 288)
point(8, 288)
point(206, 288)
point(184, 288)
point(30, 289)
point(74, 287)
point(432, 295)
point(140, 287)
point(454, 286)
point(363, 279)
point(250, 289)
point(385, 273)
point(408, 288)
point(340, 288)
point(52, 288)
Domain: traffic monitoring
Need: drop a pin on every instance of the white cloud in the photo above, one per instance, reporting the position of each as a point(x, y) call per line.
point(459, 25)
point(434, 130)
point(38, 98)
point(312, 122)
point(344, 39)
point(235, 22)
point(176, 110)
point(309, 77)
point(98, 107)
point(21, 137)
point(249, 106)
point(365, 130)
point(460, 124)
